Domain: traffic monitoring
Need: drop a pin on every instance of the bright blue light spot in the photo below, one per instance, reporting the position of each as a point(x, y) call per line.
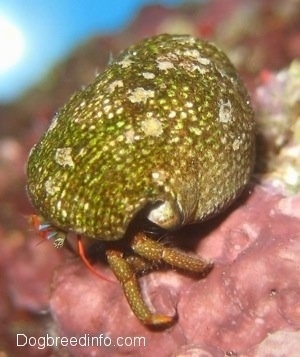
point(52, 28)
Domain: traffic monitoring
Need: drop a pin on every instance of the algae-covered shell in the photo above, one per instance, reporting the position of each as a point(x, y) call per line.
point(167, 124)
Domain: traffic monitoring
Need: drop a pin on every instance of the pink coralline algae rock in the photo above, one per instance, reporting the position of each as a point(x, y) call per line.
point(246, 304)
point(30, 274)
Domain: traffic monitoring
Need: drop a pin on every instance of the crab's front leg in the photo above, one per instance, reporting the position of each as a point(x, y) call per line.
point(157, 252)
point(125, 274)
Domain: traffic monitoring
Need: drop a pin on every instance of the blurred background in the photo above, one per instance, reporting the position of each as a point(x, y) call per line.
point(36, 34)
point(49, 49)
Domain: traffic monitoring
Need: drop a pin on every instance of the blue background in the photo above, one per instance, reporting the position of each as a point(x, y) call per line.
point(52, 28)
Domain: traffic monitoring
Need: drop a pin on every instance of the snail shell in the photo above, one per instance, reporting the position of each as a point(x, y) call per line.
point(167, 125)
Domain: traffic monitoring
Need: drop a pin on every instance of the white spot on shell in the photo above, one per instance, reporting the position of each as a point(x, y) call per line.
point(204, 61)
point(195, 130)
point(159, 177)
point(195, 56)
point(148, 75)
point(58, 205)
point(192, 53)
point(183, 115)
point(82, 151)
point(172, 114)
point(63, 156)
point(189, 105)
point(236, 144)
point(152, 127)
point(115, 84)
point(149, 114)
point(53, 123)
point(164, 65)
point(120, 110)
point(140, 94)
point(223, 140)
point(189, 66)
point(107, 108)
point(126, 62)
point(155, 175)
point(130, 136)
point(50, 187)
point(79, 120)
point(184, 39)
point(225, 111)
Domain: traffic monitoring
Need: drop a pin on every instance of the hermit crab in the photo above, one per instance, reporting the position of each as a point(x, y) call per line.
point(163, 138)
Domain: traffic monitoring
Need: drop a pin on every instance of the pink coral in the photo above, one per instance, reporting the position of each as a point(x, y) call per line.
point(253, 290)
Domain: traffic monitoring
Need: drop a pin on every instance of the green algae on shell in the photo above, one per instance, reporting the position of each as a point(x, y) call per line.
point(167, 124)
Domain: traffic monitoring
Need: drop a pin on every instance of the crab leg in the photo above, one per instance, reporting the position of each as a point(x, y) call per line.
point(128, 280)
point(157, 252)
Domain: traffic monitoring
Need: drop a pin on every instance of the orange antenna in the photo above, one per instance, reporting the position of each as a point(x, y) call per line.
point(83, 257)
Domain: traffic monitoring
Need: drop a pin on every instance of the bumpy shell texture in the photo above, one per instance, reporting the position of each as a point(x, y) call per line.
point(168, 122)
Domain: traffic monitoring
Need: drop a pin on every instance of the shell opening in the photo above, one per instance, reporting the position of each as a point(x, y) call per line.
point(165, 215)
